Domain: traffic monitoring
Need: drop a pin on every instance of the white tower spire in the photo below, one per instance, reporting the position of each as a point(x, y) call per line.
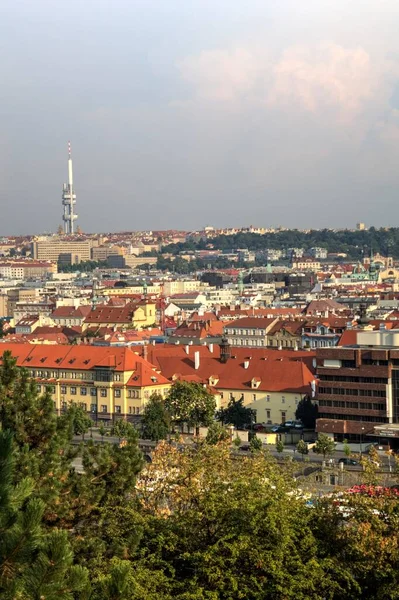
point(69, 198)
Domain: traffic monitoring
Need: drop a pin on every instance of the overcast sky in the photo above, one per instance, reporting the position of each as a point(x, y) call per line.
point(185, 113)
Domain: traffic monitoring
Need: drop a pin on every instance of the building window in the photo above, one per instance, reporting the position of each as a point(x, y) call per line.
point(63, 389)
point(93, 392)
point(117, 393)
point(283, 399)
point(118, 409)
point(104, 408)
point(268, 414)
point(50, 389)
point(39, 388)
point(83, 391)
point(73, 391)
point(268, 398)
point(117, 376)
point(103, 393)
point(93, 408)
point(64, 405)
point(254, 397)
point(130, 410)
point(83, 405)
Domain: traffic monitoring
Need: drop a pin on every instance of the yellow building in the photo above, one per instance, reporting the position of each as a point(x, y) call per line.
point(272, 382)
point(107, 382)
point(132, 315)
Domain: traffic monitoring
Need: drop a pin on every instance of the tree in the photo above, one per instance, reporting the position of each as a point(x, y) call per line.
point(81, 421)
point(216, 434)
point(34, 564)
point(121, 428)
point(236, 414)
point(255, 445)
point(190, 403)
point(347, 449)
point(370, 466)
point(324, 445)
point(218, 529)
point(280, 446)
point(155, 422)
point(102, 431)
point(307, 412)
point(302, 448)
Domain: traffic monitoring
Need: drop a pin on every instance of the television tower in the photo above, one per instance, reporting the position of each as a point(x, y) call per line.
point(69, 198)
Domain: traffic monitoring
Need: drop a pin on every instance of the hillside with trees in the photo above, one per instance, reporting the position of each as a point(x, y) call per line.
point(353, 243)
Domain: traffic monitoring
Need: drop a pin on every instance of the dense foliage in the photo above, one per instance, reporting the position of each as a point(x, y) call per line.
point(196, 523)
point(353, 243)
point(82, 267)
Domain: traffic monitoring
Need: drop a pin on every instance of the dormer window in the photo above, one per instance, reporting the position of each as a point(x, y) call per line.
point(255, 383)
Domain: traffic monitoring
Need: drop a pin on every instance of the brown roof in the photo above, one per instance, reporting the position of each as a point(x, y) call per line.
point(252, 323)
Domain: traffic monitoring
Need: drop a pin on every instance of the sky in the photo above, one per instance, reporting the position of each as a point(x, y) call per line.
point(186, 113)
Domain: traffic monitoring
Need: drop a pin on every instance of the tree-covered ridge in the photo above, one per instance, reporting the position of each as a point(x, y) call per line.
point(353, 243)
point(198, 522)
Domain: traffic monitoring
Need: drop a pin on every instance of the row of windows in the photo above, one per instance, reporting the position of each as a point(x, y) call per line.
point(99, 376)
point(350, 392)
point(361, 418)
point(353, 379)
point(103, 408)
point(73, 390)
point(357, 405)
point(246, 332)
point(241, 342)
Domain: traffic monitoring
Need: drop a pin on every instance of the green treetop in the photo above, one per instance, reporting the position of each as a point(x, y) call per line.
point(190, 403)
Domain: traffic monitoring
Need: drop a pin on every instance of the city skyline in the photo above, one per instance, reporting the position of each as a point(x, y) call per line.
point(193, 113)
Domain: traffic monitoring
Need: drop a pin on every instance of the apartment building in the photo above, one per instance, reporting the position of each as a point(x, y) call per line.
point(59, 250)
point(26, 269)
point(107, 382)
point(249, 331)
point(358, 388)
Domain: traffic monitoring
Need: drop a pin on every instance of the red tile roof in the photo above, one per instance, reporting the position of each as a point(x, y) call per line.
point(278, 371)
point(83, 357)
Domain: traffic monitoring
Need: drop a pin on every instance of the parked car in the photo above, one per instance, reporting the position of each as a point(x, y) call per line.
point(348, 461)
point(277, 429)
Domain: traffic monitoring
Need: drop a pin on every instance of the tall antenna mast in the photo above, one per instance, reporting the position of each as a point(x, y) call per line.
point(69, 198)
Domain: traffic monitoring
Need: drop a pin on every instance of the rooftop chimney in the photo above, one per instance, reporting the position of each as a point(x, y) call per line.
point(196, 360)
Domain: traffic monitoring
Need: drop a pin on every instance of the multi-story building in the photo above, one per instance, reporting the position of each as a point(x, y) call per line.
point(21, 295)
point(317, 252)
point(59, 250)
point(107, 382)
point(134, 314)
point(250, 331)
point(268, 381)
point(306, 264)
point(17, 269)
point(358, 388)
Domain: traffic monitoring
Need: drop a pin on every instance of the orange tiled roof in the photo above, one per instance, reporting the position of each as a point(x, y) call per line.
point(277, 371)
